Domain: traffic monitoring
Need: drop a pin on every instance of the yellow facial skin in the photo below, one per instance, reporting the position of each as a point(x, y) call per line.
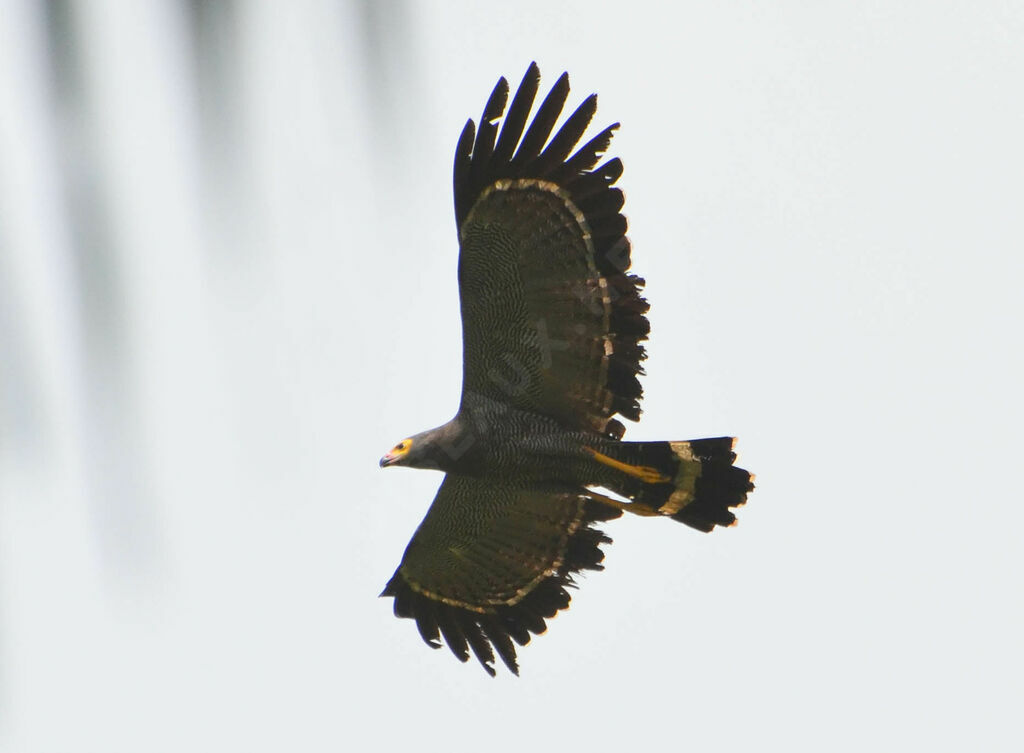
point(396, 454)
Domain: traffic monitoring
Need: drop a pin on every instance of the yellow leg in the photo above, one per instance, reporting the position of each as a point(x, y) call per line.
point(645, 473)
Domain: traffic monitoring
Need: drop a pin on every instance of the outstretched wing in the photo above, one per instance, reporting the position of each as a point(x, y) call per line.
point(491, 560)
point(551, 321)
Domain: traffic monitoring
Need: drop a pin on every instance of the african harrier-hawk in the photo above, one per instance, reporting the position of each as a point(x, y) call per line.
point(551, 330)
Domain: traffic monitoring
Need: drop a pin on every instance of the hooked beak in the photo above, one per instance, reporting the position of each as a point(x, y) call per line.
point(396, 454)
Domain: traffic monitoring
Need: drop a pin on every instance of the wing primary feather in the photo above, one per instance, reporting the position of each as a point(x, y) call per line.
point(530, 620)
point(545, 605)
point(518, 112)
point(585, 187)
point(452, 634)
point(501, 641)
point(567, 136)
point(610, 171)
point(495, 103)
point(515, 627)
point(545, 601)
point(403, 601)
point(460, 176)
point(475, 637)
point(542, 124)
point(586, 156)
point(484, 144)
point(426, 622)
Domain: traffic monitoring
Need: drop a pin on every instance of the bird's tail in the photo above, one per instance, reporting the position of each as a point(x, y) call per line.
point(694, 482)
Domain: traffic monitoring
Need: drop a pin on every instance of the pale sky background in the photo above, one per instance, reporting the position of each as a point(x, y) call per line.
point(227, 286)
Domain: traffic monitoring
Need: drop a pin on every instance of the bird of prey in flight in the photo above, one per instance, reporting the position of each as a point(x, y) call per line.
point(552, 326)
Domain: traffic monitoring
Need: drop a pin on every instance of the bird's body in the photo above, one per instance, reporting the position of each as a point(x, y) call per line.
point(552, 333)
point(488, 438)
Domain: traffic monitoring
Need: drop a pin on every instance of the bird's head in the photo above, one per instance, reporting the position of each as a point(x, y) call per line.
point(399, 454)
point(417, 451)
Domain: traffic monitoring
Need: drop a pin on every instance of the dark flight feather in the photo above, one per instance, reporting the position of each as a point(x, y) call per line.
point(539, 130)
point(518, 112)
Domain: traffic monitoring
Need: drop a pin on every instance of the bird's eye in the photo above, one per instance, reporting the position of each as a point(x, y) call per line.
point(400, 446)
